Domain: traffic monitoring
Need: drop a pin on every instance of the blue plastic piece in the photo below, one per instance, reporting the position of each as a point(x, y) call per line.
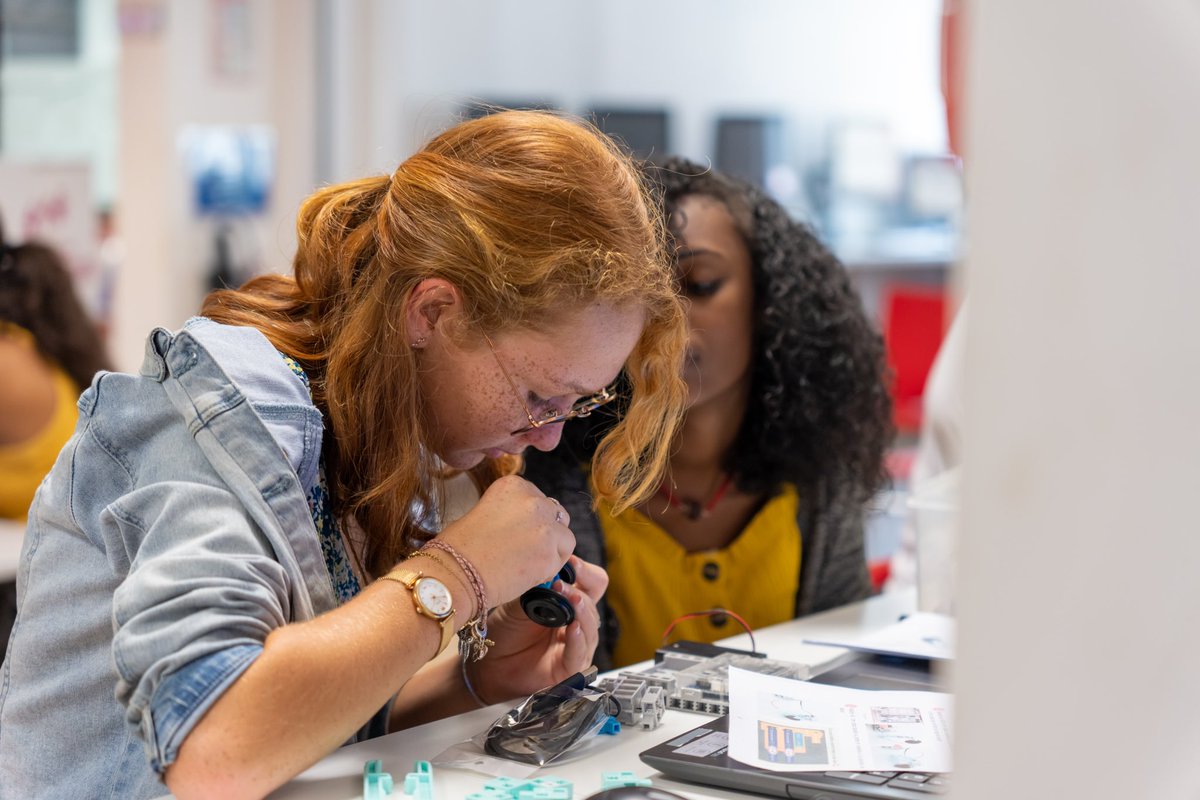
point(611, 727)
point(377, 784)
point(419, 782)
point(611, 780)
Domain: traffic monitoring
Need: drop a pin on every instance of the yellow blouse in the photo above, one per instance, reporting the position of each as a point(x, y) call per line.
point(653, 580)
point(24, 464)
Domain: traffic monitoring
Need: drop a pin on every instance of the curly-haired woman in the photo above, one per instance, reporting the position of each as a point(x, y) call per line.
point(238, 563)
point(782, 446)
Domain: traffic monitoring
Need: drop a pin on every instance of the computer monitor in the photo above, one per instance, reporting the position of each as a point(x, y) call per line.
point(748, 147)
point(644, 133)
point(230, 168)
point(475, 108)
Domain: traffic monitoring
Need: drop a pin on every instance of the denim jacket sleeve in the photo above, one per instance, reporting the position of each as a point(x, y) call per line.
point(209, 531)
point(202, 593)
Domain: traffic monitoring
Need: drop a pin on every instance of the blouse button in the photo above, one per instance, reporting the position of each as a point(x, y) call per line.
point(711, 571)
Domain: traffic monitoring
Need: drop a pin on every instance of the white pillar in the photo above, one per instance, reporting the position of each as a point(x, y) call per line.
point(1080, 576)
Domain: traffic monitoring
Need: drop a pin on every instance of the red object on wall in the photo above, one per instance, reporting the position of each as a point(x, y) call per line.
point(914, 323)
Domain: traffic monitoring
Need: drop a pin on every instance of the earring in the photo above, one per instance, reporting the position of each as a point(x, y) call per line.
point(418, 342)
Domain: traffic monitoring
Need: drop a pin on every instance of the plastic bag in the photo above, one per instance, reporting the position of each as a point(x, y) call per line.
point(551, 722)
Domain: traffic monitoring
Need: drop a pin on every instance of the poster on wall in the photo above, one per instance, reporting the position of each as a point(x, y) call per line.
point(52, 203)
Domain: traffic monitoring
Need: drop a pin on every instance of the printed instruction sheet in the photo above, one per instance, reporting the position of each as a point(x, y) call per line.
point(788, 725)
point(920, 635)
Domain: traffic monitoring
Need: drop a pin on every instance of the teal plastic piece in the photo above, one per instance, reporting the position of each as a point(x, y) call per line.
point(555, 784)
point(611, 780)
point(419, 782)
point(544, 788)
point(377, 784)
point(611, 727)
point(508, 787)
point(544, 793)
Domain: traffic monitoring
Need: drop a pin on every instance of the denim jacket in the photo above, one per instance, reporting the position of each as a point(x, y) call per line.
point(170, 538)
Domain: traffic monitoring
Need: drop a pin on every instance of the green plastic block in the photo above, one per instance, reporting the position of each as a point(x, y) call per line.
point(377, 784)
point(544, 793)
point(558, 784)
point(611, 780)
point(419, 782)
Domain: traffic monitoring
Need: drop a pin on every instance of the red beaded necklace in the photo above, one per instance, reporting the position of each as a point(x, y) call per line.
point(694, 509)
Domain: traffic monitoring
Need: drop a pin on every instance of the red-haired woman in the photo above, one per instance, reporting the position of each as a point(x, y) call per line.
point(245, 540)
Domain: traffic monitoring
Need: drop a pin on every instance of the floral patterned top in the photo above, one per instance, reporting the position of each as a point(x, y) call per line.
point(337, 560)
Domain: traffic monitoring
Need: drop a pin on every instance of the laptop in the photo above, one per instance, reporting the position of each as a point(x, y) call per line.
point(701, 755)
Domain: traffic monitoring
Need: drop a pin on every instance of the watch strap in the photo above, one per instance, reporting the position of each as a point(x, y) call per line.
point(409, 579)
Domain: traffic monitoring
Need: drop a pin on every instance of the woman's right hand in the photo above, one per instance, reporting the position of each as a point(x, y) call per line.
point(513, 538)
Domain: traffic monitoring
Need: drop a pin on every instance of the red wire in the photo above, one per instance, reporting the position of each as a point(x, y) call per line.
point(711, 613)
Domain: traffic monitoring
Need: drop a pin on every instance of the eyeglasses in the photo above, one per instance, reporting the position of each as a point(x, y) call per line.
point(552, 416)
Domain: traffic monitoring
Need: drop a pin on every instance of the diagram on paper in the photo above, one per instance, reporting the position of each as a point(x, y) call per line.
point(781, 744)
point(783, 724)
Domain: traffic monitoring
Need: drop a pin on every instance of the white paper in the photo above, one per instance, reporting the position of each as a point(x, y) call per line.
point(921, 635)
point(788, 725)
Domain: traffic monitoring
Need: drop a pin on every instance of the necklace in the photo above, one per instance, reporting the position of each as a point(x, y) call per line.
point(695, 509)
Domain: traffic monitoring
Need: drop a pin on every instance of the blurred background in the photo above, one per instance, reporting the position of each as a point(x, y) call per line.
point(166, 146)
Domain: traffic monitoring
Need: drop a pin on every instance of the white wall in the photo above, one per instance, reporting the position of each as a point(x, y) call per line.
point(1079, 583)
point(170, 79)
point(355, 87)
point(811, 60)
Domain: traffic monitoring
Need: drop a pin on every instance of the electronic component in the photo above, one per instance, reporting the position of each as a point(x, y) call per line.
point(547, 607)
point(639, 702)
point(694, 676)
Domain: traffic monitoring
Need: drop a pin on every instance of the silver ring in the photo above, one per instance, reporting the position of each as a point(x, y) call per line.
point(558, 516)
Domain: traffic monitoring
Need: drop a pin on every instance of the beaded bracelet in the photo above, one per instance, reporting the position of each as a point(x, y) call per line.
point(467, 567)
point(472, 637)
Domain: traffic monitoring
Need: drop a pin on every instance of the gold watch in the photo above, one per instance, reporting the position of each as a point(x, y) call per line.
point(431, 598)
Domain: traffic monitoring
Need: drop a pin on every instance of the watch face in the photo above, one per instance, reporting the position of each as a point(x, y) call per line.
point(434, 595)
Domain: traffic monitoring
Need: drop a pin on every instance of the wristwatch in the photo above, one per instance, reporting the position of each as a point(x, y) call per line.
point(431, 598)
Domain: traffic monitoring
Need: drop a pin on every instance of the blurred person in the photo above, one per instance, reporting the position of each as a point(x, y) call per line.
point(110, 255)
point(939, 449)
point(762, 509)
point(940, 441)
point(49, 350)
point(238, 564)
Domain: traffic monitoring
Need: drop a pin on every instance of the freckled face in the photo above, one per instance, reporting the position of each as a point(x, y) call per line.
point(472, 407)
point(715, 273)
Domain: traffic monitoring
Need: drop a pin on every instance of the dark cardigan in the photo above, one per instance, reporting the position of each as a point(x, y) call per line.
point(833, 567)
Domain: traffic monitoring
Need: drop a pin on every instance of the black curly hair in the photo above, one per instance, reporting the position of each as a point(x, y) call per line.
point(36, 293)
point(819, 405)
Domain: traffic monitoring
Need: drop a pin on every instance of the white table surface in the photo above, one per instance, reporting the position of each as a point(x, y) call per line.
point(339, 775)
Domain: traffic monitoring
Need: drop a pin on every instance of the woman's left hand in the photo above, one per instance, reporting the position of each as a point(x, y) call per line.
point(527, 656)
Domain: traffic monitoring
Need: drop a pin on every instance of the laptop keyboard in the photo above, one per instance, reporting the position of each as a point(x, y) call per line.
point(913, 781)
